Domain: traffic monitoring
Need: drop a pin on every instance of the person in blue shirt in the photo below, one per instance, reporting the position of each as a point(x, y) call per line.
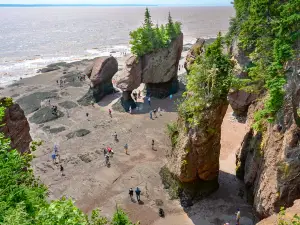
point(138, 194)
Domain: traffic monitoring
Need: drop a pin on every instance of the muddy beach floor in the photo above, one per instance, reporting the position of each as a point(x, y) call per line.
point(93, 185)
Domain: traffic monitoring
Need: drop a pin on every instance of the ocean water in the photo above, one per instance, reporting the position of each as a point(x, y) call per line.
point(31, 38)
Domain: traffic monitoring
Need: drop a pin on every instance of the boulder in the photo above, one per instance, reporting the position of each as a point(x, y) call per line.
point(269, 161)
point(103, 70)
point(194, 51)
point(131, 76)
point(240, 99)
point(16, 127)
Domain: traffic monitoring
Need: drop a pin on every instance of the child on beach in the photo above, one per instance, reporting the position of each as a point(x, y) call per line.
point(126, 148)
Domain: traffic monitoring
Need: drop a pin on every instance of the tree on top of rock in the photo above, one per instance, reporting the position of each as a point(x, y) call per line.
point(171, 28)
point(148, 38)
point(147, 21)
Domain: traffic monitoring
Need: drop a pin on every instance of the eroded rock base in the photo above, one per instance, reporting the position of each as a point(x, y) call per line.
point(97, 93)
point(187, 192)
point(162, 90)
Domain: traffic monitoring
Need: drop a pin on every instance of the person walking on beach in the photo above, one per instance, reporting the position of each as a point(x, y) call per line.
point(154, 112)
point(104, 152)
point(159, 111)
point(62, 170)
point(152, 144)
point(138, 194)
point(115, 136)
point(53, 156)
point(109, 112)
point(126, 148)
point(238, 216)
point(131, 193)
point(149, 101)
point(130, 110)
point(107, 163)
point(56, 153)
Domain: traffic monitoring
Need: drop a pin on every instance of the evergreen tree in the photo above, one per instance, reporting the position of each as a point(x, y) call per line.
point(147, 20)
point(147, 38)
point(170, 28)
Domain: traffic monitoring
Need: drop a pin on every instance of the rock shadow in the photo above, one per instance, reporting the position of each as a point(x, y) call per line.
point(220, 204)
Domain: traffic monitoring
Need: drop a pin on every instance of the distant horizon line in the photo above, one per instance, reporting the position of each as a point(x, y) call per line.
point(76, 5)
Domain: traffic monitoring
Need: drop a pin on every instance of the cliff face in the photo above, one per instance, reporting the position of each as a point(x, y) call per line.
point(269, 162)
point(158, 70)
point(195, 50)
point(288, 217)
point(16, 127)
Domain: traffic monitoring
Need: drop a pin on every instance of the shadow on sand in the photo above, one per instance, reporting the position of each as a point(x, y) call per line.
point(220, 206)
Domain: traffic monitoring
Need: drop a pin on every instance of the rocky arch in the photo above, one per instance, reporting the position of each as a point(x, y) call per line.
point(158, 70)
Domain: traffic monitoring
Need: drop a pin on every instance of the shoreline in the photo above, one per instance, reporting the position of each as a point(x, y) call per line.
point(30, 67)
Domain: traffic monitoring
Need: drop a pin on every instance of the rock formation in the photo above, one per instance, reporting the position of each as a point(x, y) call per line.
point(194, 51)
point(158, 70)
point(16, 127)
point(100, 74)
point(199, 147)
point(240, 99)
point(194, 161)
point(288, 217)
point(269, 161)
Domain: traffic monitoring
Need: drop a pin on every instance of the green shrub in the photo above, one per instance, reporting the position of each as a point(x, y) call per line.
point(268, 30)
point(23, 199)
point(208, 83)
point(281, 221)
point(173, 132)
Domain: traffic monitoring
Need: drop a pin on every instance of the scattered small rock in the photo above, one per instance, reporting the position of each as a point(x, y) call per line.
point(78, 133)
point(68, 104)
point(85, 157)
point(57, 130)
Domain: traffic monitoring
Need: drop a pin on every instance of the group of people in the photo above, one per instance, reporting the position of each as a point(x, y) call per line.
point(154, 111)
point(54, 110)
point(60, 82)
point(137, 193)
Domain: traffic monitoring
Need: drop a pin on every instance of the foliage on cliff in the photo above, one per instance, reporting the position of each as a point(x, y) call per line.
point(268, 31)
point(148, 37)
point(282, 221)
point(23, 198)
point(208, 82)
